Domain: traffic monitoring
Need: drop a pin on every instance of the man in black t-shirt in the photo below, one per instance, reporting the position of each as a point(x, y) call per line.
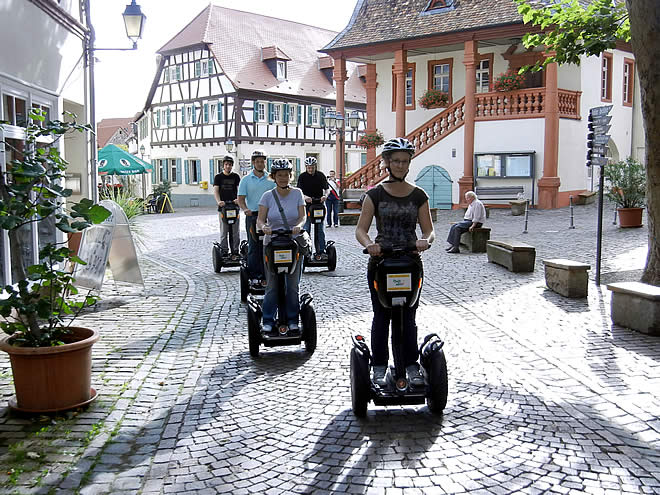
point(225, 188)
point(314, 185)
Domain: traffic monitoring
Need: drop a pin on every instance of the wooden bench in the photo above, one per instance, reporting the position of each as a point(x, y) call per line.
point(515, 256)
point(566, 277)
point(499, 192)
point(476, 240)
point(636, 305)
point(349, 218)
point(585, 198)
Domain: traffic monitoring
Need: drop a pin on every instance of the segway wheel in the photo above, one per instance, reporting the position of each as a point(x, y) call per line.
point(359, 383)
point(436, 397)
point(217, 259)
point(244, 284)
point(332, 258)
point(254, 336)
point(308, 319)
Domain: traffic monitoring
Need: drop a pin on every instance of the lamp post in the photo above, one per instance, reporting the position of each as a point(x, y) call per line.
point(229, 144)
point(134, 22)
point(142, 150)
point(335, 123)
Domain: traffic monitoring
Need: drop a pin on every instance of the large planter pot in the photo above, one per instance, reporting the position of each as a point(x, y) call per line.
point(630, 217)
point(49, 379)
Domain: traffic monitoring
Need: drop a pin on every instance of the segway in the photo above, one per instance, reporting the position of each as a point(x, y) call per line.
point(316, 211)
point(247, 286)
point(229, 215)
point(398, 283)
point(282, 257)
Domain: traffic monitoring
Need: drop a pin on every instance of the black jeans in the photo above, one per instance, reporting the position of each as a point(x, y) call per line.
point(380, 327)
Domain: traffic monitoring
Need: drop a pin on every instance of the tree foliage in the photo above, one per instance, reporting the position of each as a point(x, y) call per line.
point(571, 30)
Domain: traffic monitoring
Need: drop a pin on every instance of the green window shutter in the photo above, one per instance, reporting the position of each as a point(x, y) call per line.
point(271, 111)
point(255, 118)
point(299, 114)
point(321, 115)
point(157, 118)
point(153, 171)
point(178, 72)
point(297, 166)
point(309, 114)
point(286, 113)
point(183, 115)
point(185, 171)
point(169, 117)
point(194, 114)
point(211, 66)
point(165, 171)
point(198, 68)
point(211, 171)
point(178, 170)
point(221, 112)
point(206, 113)
point(269, 162)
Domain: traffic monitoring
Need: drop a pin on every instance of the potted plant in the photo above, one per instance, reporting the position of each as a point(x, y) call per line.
point(370, 140)
point(509, 81)
point(50, 358)
point(626, 187)
point(434, 98)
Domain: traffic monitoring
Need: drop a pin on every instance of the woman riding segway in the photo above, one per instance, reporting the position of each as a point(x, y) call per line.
point(398, 207)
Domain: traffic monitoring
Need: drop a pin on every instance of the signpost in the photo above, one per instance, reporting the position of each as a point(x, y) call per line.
point(597, 139)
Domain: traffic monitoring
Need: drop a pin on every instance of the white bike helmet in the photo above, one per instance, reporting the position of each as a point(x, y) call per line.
point(310, 161)
point(258, 154)
point(398, 144)
point(281, 164)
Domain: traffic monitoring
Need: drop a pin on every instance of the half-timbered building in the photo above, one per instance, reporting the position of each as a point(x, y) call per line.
point(531, 139)
point(231, 82)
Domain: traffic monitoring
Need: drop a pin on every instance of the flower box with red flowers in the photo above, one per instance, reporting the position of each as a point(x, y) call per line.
point(509, 81)
point(370, 140)
point(434, 98)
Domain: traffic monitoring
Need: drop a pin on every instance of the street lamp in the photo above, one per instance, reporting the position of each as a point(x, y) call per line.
point(229, 144)
point(142, 150)
point(335, 123)
point(134, 21)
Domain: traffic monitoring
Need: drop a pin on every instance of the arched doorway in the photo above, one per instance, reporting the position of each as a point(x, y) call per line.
point(436, 181)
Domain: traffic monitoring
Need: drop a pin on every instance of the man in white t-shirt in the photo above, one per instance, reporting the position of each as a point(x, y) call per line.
point(474, 217)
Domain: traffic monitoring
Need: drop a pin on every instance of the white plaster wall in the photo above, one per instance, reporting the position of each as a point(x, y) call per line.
point(638, 141)
point(568, 77)
point(571, 166)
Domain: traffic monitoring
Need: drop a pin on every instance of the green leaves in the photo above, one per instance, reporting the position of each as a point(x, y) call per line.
point(571, 31)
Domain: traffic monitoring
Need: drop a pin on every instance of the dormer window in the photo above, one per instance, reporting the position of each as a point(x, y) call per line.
point(281, 69)
point(275, 59)
point(439, 5)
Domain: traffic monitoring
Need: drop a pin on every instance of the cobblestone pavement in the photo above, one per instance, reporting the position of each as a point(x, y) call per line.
point(546, 395)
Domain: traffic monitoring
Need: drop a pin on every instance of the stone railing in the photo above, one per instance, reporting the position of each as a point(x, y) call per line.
point(519, 104)
point(423, 138)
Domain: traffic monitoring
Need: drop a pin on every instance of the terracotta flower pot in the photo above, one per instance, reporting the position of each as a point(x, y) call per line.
point(630, 217)
point(48, 379)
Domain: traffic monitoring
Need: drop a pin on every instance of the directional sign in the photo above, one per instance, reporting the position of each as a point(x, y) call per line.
point(601, 120)
point(599, 150)
point(600, 111)
point(602, 139)
point(601, 130)
point(599, 161)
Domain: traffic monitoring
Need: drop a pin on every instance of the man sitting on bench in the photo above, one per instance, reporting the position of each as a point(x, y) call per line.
point(475, 216)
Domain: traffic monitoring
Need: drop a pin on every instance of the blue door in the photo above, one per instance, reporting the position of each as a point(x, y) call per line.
point(436, 182)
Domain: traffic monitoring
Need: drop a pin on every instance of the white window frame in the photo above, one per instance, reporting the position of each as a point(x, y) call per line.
point(205, 67)
point(190, 170)
point(172, 172)
point(409, 83)
point(293, 114)
point(188, 109)
point(316, 116)
point(442, 78)
point(213, 112)
point(281, 69)
point(277, 113)
point(262, 111)
point(605, 78)
point(480, 88)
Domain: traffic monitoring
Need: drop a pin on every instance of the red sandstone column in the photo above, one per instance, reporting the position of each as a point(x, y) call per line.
point(549, 183)
point(400, 69)
point(339, 75)
point(371, 86)
point(470, 59)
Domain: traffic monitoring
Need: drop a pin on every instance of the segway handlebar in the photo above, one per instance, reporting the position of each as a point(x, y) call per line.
point(387, 250)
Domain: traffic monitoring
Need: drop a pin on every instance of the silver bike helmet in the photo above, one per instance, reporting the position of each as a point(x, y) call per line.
point(228, 158)
point(310, 161)
point(281, 164)
point(398, 144)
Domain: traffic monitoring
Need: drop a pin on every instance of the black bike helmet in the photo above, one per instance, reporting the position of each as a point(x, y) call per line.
point(281, 164)
point(228, 158)
point(258, 154)
point(392, 146)
point(310, 161)
point(398, 144)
